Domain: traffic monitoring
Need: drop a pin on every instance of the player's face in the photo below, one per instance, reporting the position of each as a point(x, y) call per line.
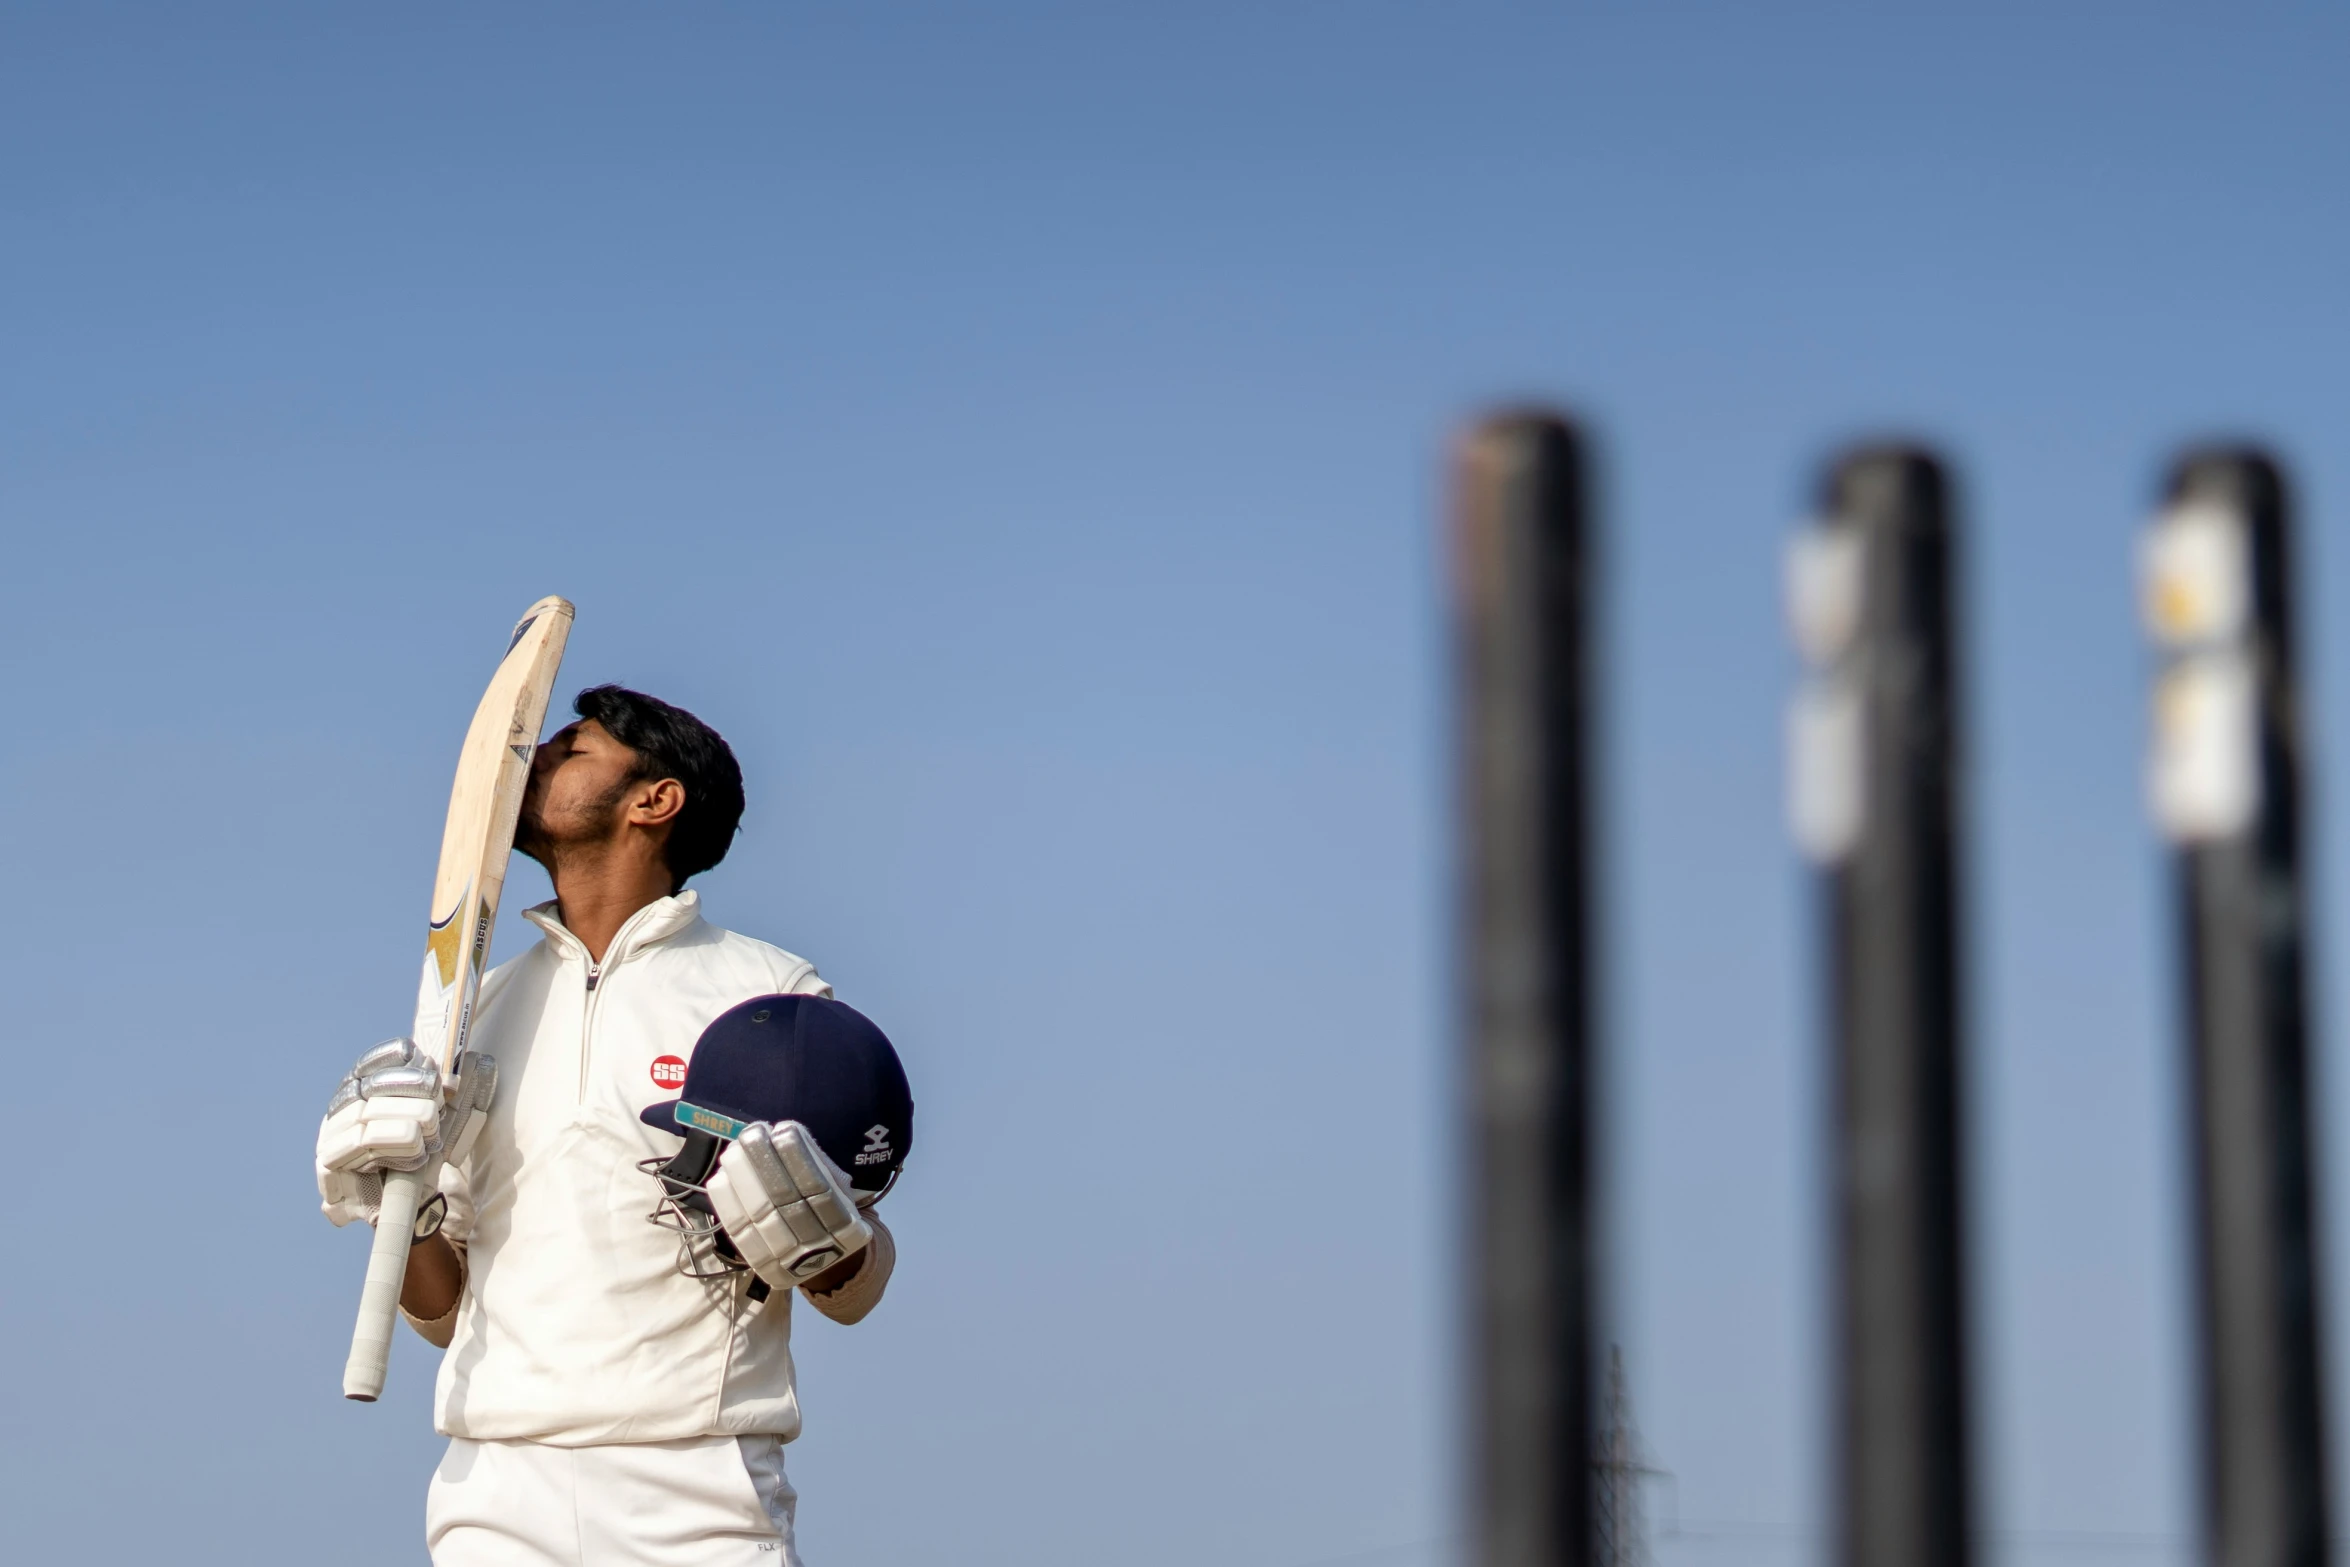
point(578, 789)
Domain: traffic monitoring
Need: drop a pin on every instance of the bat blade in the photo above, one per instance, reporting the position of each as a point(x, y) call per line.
point(485, 804)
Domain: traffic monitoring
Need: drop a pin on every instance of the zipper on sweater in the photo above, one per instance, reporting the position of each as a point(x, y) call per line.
point(587, 1027)
point(595, 973)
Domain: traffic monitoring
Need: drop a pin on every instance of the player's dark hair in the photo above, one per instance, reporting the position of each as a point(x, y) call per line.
point(670, 742)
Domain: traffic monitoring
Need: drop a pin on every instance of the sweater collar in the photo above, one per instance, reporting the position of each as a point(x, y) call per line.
point(648, 927)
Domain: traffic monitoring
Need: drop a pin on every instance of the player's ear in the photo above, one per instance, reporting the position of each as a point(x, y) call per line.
point(657, 803)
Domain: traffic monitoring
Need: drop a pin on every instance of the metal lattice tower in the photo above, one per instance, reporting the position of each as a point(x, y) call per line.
point(1619, 1533)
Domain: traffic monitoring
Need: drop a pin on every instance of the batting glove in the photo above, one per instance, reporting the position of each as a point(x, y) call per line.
point(394, 1112)
point(787, 1208)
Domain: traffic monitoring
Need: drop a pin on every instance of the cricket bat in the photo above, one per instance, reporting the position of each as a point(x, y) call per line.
point(484, 806)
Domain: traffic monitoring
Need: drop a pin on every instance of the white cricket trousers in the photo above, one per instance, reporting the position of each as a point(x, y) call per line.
point(714, 1501)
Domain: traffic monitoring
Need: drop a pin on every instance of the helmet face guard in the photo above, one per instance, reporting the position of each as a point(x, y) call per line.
point(704, 1250)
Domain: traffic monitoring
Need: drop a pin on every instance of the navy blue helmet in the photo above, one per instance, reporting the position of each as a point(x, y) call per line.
point(808, 1059)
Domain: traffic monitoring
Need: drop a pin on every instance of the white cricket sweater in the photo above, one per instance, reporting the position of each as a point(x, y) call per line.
point(575, 1326)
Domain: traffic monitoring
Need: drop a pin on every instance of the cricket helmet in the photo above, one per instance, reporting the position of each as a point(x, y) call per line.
point(808, 1059)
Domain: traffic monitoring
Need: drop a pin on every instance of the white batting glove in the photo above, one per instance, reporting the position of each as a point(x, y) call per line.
point(787, 1208)
point(393, 1111)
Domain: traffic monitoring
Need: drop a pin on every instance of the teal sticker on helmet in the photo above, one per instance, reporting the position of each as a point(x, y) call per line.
point(708, 1120)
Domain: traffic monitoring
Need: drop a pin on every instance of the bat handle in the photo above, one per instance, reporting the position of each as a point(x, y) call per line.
point(379, 1299)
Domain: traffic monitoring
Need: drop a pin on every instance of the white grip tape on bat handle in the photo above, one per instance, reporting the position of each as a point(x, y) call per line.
point(379, 1299)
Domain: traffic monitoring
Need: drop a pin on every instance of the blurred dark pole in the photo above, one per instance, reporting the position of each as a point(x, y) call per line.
point(2227, 790)
point(1522, 577)
point(1876, 760)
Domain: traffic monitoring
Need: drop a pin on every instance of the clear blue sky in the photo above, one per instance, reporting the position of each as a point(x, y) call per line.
point(1020, 430)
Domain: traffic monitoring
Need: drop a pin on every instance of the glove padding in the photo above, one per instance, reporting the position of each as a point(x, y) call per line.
point(394, 1112)
point(787, 1208)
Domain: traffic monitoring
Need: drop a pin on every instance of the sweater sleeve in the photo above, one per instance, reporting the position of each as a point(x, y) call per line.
point(853, 1300)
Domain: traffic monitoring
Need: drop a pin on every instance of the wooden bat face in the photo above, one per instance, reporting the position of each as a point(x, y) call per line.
point(484, 805)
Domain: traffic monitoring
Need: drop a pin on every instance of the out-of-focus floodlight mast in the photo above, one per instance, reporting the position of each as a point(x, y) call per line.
point(1522, 584)
point(2225, 784)
point(1874, 798)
